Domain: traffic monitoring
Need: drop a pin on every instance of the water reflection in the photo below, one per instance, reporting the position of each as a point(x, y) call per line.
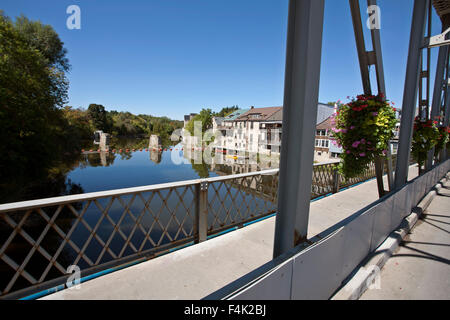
point(169, 215)
point(155, 155)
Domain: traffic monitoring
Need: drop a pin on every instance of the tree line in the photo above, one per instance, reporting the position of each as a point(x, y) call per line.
point(38, 131)
point(117, 123)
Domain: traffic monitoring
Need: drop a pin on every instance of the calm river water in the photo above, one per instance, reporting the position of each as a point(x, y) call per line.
point(169, 215)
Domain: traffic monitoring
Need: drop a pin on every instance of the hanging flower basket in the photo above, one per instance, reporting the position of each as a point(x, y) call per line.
point(443, 139)
point(425, 137)
point(363, 128)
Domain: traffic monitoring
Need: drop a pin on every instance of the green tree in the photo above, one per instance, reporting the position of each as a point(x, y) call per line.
point(44, 39)
point(30, 93)
point(205, 117)
point(97, 113)
point(226, 111)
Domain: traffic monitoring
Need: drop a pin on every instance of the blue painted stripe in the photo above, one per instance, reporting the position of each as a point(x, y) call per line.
point(43, 293)
point(83, 279)
point(221, 233)
point(181, 247)
point(315, 199)
point(260, 219)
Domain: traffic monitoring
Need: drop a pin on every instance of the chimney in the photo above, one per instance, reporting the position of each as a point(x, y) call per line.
point(252, 107)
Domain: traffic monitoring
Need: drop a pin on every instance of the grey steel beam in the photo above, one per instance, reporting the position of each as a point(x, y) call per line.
point(444, 151)
point(365, 60)
point(301, 92)
point(360, 45)
point(410, 91)
point(376, 44)
point(437, 93)
point(379, 68)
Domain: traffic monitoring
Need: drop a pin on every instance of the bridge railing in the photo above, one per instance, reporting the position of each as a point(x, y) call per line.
point(41, 239)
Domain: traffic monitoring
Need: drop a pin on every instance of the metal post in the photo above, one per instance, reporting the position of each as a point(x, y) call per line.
point(379, 68)
point(336, 178)
point(201, 212)
point(437, 94)
point(444, 152)
point(366, 59)
point(376, 44)
point(410, 91)
point(360, 45)
point(302, 75)
point(390, 172)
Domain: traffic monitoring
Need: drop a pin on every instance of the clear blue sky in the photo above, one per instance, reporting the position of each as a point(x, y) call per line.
point(173, 57)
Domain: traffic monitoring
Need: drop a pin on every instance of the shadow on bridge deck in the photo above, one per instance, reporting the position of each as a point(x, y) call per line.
point(196, 271)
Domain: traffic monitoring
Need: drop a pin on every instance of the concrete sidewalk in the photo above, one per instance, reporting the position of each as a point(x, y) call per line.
point(420, 268)
point(197, 271)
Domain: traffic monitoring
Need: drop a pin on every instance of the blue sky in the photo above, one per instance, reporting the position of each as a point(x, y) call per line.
point(173, 57)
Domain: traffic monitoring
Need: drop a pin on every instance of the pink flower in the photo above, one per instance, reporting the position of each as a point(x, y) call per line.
point(363, 141)
point(374, 114)
point(352, 127)
point(344, 130)
point(348, 152)
point(356, 144)
point(362, 154)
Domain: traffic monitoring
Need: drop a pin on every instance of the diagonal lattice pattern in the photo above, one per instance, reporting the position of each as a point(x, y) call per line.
point(39, 244)
point(323, 179)
point(237, 201)
point(39, 241)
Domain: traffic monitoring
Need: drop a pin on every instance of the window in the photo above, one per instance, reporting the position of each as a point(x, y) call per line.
point(322, 143)
point(334, 155)
point(251, 125)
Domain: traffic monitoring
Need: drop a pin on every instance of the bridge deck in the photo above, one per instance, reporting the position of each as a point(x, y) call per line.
point(197, 271)
point(420, 269)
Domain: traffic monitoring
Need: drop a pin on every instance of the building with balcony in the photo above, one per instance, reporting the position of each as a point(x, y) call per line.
point(259, 130)
point(325, 147)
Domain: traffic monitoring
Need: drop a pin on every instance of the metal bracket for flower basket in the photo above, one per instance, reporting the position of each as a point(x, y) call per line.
point(437, 41)
point(366, 59)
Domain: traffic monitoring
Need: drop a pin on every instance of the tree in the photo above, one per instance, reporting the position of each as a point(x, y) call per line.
point(30, 93)
point(226, 111)
point(44, 39)
point(97, 114)
point(205, 117)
